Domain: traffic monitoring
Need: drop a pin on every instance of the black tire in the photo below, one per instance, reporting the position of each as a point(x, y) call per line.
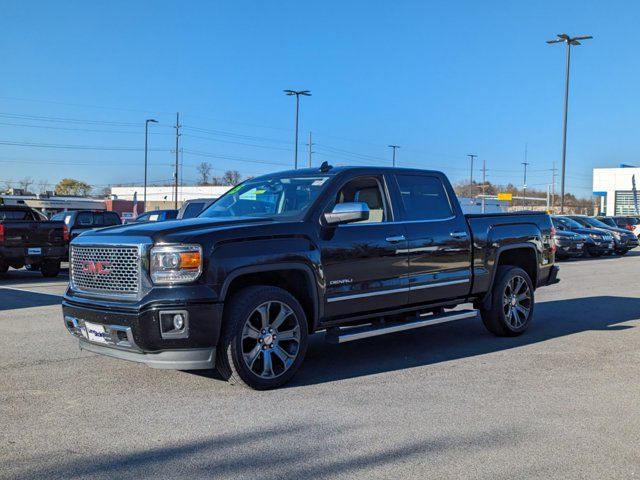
point(50, 268)
point(4, 266)
point(505, 319)
point(239, 332)
point(621, 252)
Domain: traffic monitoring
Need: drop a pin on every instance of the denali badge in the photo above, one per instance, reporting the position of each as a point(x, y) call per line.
point(342, 281)
point(96, 268)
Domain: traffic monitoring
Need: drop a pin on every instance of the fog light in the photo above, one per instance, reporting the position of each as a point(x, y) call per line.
point(178, 321)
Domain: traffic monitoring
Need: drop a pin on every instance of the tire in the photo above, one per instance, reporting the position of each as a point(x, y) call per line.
point(50, 268)
point(4, 266)
point(621, 252)
point(32, 267)
point(246, 341)
point(506, 319)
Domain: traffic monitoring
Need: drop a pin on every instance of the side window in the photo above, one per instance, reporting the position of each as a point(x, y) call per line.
point(85, 219)
point(366, 190)
point(143, 218)
point(171, 215)
point(192, 209)
point(111, 218)
point(423, 197)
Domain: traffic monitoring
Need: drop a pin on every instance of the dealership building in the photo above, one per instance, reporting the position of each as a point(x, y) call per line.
point(617, 189)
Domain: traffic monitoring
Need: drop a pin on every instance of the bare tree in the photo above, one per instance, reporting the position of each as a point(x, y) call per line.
point(231, 177)
point(204, 170)
point(25, 183)
point(43, 186)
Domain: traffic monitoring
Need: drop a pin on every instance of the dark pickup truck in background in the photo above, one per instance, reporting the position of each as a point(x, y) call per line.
point(80, 221)
point(354, 252)
point(26, 239)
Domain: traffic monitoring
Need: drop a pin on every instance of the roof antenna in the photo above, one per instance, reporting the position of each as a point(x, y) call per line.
point(325, 167)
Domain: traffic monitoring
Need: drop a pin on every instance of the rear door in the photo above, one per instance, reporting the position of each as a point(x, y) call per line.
point(364, 263)
point(439, 246)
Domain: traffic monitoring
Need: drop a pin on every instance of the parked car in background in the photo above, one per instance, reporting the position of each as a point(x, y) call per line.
point(623, 239)
point(569, 244)
point(599, 242)
point(192, 208)
point(156, 216)
point(26, 239)
point(80, 221)
point(629, 223)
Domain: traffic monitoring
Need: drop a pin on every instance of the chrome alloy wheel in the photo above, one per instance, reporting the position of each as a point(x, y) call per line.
point(270, 339)
point(516, 302)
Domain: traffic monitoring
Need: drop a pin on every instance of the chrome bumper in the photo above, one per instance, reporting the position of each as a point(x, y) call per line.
point(120, 344)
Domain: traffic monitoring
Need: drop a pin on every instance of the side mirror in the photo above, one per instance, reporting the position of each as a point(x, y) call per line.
point(347, 212)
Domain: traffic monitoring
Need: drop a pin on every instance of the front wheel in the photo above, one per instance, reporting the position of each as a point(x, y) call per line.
point(512, 303)
point(621, 252)
point(264, 338)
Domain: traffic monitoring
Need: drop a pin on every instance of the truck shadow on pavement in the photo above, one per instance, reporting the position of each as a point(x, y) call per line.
point(465, 338)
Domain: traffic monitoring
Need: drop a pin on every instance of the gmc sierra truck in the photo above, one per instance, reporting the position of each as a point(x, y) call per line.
point(27, 240)
point(353, 252)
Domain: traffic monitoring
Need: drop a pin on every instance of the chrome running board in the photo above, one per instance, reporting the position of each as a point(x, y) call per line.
point(349, 334)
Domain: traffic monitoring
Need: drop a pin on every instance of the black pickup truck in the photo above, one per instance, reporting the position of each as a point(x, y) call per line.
point(26, 239)
point(353, 252)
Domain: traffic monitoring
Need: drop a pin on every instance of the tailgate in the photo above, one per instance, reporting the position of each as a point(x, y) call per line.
point(33, 234)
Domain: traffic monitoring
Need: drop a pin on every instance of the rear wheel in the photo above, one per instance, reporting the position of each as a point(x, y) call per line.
point(264, 338)
point(512, 303)
point(621, 252)
point(50, 268)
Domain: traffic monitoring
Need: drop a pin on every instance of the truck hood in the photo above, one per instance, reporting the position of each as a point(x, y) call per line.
point(153, 229)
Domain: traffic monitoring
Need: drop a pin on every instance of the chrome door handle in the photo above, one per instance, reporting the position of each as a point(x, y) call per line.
point(458, 234)
point(396, 239)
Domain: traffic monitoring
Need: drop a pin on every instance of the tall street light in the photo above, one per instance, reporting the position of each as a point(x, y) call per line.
point(146, 136)
point(297, 93)
point(569, 41)
point(394, 147)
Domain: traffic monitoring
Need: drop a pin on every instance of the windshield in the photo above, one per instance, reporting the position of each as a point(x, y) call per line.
point(268, 197)
point(565, 222)
point(594, 222)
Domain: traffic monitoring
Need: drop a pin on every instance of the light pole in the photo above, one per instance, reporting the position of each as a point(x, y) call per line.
point(297, 93)
point(564, 38)
point(146, 137)
point(471, 156)
point(394, 147)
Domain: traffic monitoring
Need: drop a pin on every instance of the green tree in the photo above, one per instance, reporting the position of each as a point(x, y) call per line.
point(73, 187)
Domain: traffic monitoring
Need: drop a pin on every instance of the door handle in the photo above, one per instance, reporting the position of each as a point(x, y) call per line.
point(458, 234)
point(396, 239)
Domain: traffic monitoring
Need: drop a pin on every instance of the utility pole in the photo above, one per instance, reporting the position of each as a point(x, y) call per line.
point(569, 41)
point(310, 151)
point(175, 201)
point(471, 156)
point(524, 185)
point(484, 182)
point(393, 159)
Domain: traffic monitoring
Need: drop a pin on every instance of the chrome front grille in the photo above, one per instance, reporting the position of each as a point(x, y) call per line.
point(105, 270)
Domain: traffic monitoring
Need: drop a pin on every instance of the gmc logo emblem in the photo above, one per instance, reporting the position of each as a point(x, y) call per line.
point(96, 268)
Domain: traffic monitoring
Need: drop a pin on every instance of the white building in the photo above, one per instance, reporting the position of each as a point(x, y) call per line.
point(617, 189)
point(166, 194)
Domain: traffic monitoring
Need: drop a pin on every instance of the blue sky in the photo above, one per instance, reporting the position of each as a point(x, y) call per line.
point(442, 79)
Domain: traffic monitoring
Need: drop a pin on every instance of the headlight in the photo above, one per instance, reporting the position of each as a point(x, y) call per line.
point(175, 263)
point(594, 235)
point(616, 235)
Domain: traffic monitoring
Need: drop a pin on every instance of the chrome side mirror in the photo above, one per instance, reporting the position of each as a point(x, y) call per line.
point(347, 212)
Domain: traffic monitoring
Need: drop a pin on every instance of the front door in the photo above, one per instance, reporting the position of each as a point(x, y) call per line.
point(365, 263)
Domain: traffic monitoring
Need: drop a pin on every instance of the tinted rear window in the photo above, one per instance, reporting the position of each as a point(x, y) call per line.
point(15, 215)
point(111, 218)
point(192, 210)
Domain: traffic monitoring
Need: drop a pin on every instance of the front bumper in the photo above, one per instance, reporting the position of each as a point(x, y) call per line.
point(136, 335)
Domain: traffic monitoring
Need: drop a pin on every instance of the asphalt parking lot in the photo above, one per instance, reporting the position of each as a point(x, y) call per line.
point(449, 401)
